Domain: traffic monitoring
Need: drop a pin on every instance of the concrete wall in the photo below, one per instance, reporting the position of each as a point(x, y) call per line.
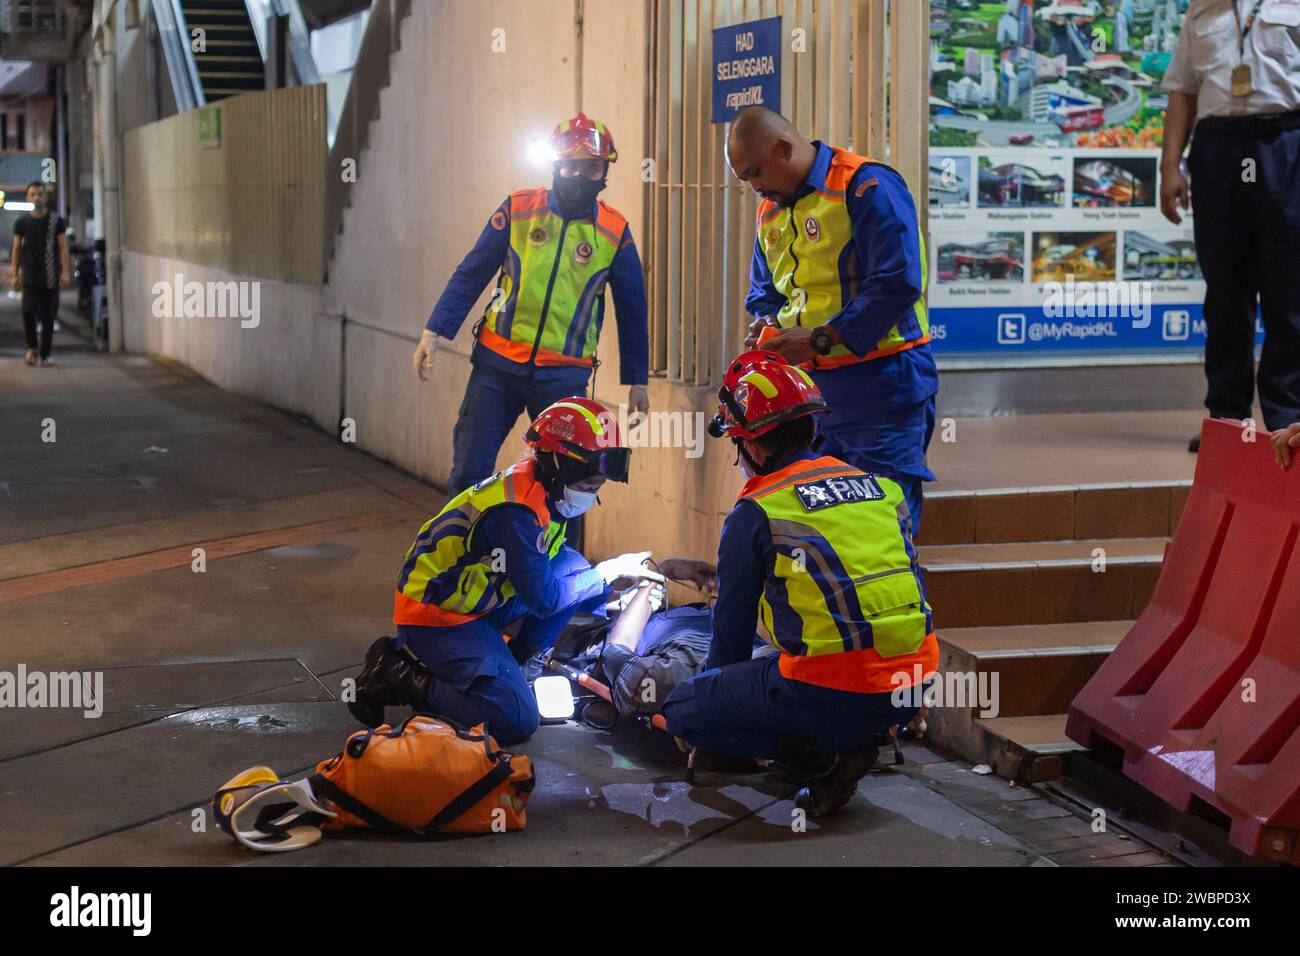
point(289, 359)
point(437, 164)
point(435, 168)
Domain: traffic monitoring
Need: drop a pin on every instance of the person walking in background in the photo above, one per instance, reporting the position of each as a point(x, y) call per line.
point(1236, 76)
point(40, 270)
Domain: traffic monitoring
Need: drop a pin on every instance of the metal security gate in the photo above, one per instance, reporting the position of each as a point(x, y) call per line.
point(701, 218)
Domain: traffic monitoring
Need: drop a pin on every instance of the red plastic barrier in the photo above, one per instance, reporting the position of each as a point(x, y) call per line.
point(1203, 693)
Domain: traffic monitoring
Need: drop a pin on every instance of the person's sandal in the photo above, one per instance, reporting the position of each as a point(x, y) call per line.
point(30, 357)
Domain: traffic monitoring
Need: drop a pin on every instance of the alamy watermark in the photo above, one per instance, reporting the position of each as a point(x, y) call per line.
point(961, 689)
point(659, 429)
point(1098, 300)
point(231, 299)
point(70, 690)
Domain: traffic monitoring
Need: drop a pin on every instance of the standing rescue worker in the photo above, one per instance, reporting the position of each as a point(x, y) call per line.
point(494, 554)
point(839, 267)
point(815, 556)
point(1236, 74)
point(554, 251)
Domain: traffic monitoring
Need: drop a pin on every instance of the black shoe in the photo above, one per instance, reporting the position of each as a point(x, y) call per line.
point(1194, 445)
point(798, 760)
point(390, 678)
point(826, 794)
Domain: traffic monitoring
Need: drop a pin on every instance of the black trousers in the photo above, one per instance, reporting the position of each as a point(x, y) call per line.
point(40, 305)
point(1248, 243)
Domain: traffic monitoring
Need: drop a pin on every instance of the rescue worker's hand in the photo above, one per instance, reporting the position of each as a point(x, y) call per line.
point(653, 590)
point(65, 281)
point(699, 574)
point(638, 401)
point(423, 357)
point(1173, 195)
point(794, 345)
point(756, 329)
point(1283, 442)
point(630, 566)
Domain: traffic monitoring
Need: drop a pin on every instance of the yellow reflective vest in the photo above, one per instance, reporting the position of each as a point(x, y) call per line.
point(441, 584)
point(549, 298)
point(814, 264)
point(844, 600)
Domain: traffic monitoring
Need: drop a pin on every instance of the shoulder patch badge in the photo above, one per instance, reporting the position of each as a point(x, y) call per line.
point(811, 229)
point(582, 251)
point(814, 495)
point(498, 220)
point(538, 236)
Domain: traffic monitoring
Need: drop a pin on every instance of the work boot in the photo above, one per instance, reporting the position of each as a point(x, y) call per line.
point(825, 794)
point(797, 760)
point(391, 677)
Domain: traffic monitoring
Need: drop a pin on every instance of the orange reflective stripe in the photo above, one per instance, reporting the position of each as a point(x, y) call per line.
point(610, 223)
point(526, 202)
point(520, 351)
point(864, 671)
point(840, 360)
point(409, 611)
point(767, 210)
point(825, 467)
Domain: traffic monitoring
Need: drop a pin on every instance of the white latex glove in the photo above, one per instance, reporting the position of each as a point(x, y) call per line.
point(630, 565)
point(423, 357)
point(621, 602)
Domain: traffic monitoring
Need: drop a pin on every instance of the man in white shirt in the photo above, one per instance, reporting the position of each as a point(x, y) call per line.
point(1236, 77)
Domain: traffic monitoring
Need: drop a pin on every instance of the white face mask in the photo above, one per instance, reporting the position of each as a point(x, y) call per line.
point(575, 503)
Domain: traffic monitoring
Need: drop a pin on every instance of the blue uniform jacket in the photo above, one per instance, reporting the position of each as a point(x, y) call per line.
point(626, 282)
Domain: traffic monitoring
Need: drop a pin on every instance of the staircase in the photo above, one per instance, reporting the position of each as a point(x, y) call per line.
point(370, 76)
point(1015, 577)
point(231, 63)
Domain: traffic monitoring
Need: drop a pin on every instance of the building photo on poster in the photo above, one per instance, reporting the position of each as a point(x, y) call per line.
point(1046, 121)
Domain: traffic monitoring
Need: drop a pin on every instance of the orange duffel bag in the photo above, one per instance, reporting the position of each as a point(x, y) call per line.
point(425, 776)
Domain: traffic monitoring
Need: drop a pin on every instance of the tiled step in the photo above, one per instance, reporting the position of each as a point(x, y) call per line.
point(1016, 673)
point(1029, 749)
point(1053, 513)
point(1041, 582)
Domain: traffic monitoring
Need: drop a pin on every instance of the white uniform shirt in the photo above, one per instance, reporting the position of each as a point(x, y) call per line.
point(1208, 50)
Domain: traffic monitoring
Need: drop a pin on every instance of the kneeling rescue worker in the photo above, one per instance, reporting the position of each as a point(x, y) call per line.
point(815, 555)
point(494, 554)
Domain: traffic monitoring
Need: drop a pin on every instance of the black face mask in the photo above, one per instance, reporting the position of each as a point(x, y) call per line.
point(577, 193)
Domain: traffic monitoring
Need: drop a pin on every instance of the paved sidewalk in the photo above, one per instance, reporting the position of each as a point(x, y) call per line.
point(208, 673)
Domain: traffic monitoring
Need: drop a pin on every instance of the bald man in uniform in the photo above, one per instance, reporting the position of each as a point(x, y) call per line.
point(1236, 75)
point(839, 268)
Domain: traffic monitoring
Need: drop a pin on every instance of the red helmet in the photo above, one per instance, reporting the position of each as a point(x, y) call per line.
point(760, 391)
point(583, 138)
point(584, 430)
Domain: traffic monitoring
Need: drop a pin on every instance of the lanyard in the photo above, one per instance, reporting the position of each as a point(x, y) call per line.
point(1245, 29)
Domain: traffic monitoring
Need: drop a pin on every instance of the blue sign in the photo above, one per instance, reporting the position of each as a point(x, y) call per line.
point(746, 67)
point(1029, 330)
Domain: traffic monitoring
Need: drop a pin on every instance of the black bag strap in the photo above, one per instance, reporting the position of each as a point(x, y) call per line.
point(456, 808)
point(327, 788)
point(470, 797)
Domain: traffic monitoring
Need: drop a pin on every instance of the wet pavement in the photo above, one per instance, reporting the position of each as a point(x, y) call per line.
point(224, 566)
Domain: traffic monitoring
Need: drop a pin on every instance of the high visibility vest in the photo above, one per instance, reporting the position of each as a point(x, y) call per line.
point(844, 601)
point(441, 584)
point(809, 249)
point(550, 294)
